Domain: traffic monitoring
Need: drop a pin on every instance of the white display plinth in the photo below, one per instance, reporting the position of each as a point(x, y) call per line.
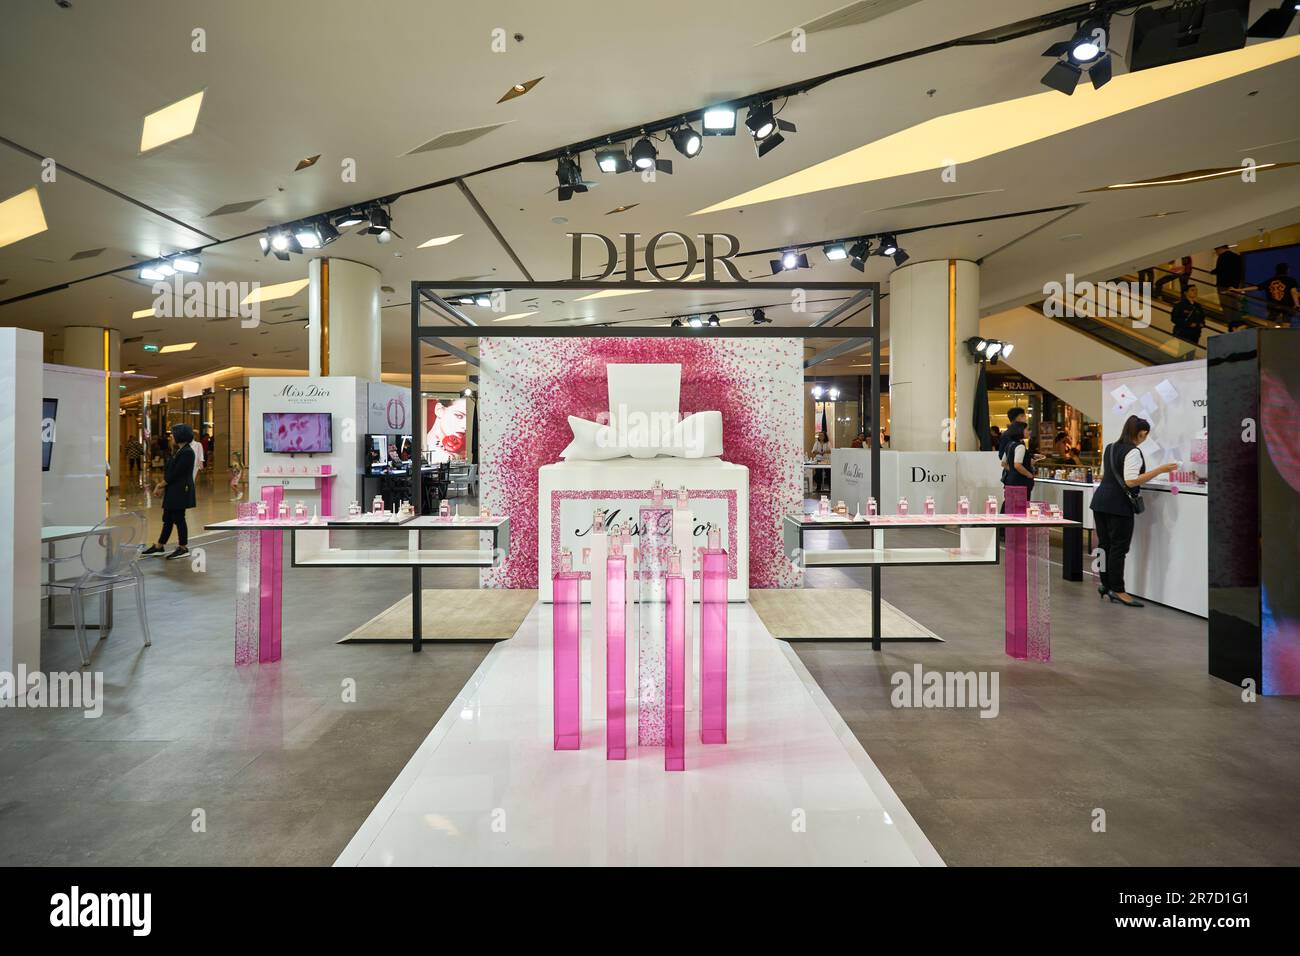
point(20, 511)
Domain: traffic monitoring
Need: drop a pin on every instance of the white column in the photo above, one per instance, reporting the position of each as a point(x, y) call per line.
point(20, 504)
point(933, 310)
point(100, 348)
point(343, 328)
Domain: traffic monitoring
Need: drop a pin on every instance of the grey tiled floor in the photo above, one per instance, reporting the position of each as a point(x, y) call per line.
point(283, 769)
point(1125, 719)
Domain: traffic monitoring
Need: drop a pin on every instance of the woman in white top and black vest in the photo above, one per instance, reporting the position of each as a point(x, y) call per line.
point(1117, 500)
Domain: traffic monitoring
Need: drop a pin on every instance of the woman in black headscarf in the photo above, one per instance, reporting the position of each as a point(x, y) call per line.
point(177, 490)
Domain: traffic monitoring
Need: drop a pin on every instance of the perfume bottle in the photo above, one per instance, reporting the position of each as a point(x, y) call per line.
point(261, 511)
point(714, 536)
point(377, 505)
point(674, 561)
point(991, 505)
point(354, 509)
point(929, 505)
point(598, 521)
point(283, 511)
point(486, 512)
point(444, 509)
point(566, 560)
point(841, 508)
point(963, 506)
point(657, 494)
point(625, 535)
point(1034, 511)
point(872, 508)
point(902, 506)
point(616, 543)
point(683, 499)
point(824, 507)
point(299, 511)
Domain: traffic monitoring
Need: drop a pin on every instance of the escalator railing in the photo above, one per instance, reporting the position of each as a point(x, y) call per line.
point(1150, 344)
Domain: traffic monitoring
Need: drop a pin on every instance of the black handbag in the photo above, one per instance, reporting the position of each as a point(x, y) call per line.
point(1134, 494)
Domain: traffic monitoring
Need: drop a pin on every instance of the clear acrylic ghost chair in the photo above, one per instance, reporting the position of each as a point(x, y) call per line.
point(110, 560)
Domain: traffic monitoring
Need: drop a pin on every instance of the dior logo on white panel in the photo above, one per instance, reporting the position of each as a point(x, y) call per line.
point(923, 476)
point(303, 394)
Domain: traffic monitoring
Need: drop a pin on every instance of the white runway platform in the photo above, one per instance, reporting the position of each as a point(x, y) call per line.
point(791, 787)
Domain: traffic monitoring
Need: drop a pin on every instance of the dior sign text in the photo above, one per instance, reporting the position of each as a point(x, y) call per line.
point(712, 256)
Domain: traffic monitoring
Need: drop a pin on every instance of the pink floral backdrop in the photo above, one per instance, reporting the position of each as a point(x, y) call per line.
point(529, 387)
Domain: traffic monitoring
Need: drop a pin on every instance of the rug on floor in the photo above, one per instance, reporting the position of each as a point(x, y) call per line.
point(451, 614)
point(827, 614)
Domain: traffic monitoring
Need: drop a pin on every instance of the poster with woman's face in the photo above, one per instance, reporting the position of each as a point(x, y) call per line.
point(446, 438)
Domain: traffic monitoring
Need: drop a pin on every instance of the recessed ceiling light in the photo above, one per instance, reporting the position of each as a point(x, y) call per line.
point(513, 315)
point(21, 216)
point(306, 163)
point(281, 290)
point(181, 347)
point(143, 313)
point(618, 209)
point(170, 122)
point(440, 241)
point(519, 89)
point(982, 131)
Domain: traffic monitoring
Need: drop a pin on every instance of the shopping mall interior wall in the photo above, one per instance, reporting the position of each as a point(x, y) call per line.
point(529, 387)
point(73, 490)
point(20, 530)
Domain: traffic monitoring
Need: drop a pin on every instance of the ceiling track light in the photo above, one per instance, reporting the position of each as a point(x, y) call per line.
point(569, 175)
point(766, 128)
point(760, 318)
point(719, 120)
point(1086, 50)
point(836, 251)
point(858, 253)
point(1273, 24)
point(790, 260)
point(714, 321)
point(645, 157)
point(687, 141)
point(889, 247)
point(613, 159)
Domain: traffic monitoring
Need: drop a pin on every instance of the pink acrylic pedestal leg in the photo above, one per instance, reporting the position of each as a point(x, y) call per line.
point(268, 636)
point(567, 659)
point(615, 657)
point(713, 646)
point(248, 586)
point(675, 673)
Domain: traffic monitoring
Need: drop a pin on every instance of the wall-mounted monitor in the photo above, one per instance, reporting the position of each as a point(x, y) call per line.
point(297, 433)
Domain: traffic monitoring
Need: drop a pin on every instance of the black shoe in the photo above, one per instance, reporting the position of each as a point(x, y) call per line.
point(152, 550)
point(1131, 602)
point(1102, 590)
point(178, 553)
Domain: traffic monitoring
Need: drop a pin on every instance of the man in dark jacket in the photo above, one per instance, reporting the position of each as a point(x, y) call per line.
point(1188, 317)
point(177, 490)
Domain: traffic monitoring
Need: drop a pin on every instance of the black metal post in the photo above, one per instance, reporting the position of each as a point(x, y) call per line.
point(417, 465)
point(876, 425)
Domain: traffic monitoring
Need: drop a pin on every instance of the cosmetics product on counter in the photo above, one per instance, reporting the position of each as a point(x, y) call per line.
point(929, 506)
point(683, 499)
point(963, 505)
point(444, 509)
point(991, 505)
point(674, 561)
point(283, 514)
point(354, 509)
point(486, 512)
point(902, 506)
point(299, 511)
point(261, 511)
point(714, 536)
point(615, 542)
point(872, 508)
point(657, 494)
point(566, 560)
point(824, 507)
point(841, 508)
point(597, 521)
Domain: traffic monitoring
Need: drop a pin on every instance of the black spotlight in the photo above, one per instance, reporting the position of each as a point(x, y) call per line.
point(714, 320)
point(687, 141)
point(766, 128)
point(676, 323)
point(835, 251)
point(613, 159)
point(889, 247)
point(790, 260)
point(1273, 24)
point(1086, 50)
point(760, 317)
point(569, 174)
point(858, 253)
point(645, 157)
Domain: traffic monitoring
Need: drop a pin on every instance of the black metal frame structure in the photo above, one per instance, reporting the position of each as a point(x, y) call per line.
point(425, 294)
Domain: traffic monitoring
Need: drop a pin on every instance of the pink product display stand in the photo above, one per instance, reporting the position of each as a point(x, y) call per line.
point(713, 646)
point(1027, 586)
point(675, 673)
point(654, 539)
point(616, 657)
point(566, 660)
point(248, 586)
point(271, 579)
